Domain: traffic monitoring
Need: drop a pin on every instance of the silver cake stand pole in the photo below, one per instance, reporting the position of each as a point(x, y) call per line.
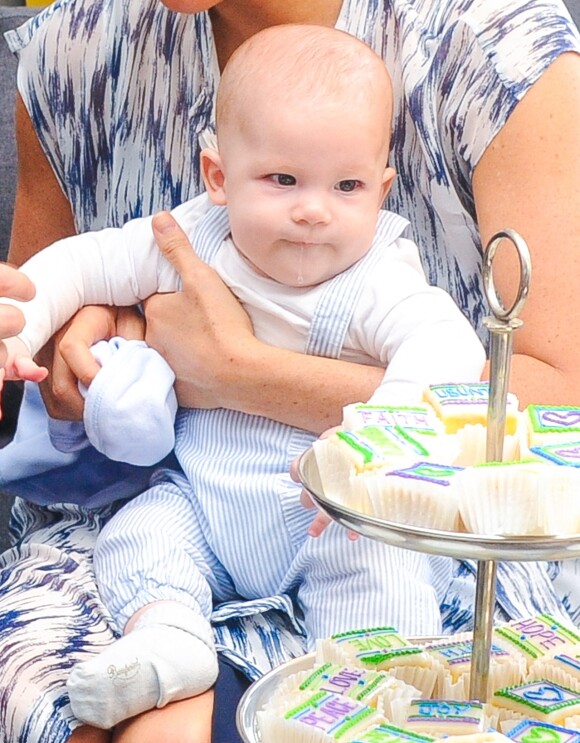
point(501, 325)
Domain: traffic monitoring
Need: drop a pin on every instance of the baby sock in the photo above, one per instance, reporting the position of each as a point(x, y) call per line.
point(168, 655)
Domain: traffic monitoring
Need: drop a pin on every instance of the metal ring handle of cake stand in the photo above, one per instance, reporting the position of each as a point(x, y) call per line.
point(501, 326)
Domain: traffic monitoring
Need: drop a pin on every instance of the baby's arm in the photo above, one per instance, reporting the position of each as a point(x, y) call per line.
point(416, 331)
point(420, 336)
point(435, 344)
point(116, 267)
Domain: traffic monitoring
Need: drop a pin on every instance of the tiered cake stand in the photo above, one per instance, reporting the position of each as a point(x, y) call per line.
point(486, 550)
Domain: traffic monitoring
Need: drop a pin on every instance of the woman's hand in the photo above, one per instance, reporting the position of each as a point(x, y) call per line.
point(201, 330)
point(207, 338)
point(13, 285)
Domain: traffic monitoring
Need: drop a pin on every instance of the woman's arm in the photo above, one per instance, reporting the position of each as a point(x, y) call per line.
point(42, 215)
point(529, 180)
point(219, 362)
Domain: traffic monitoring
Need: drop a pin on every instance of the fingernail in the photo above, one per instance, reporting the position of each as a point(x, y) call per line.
point(164, 222)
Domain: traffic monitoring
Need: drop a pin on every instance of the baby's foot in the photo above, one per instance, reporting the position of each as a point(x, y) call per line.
point(154, 664)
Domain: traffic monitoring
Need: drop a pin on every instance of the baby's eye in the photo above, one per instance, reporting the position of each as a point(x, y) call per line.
point(348, 185)
point(283, 179)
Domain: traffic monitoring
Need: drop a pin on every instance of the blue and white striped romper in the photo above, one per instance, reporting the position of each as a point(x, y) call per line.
point(242, 531)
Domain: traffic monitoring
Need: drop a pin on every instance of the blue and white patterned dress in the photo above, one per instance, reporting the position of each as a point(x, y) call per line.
point(118, 92)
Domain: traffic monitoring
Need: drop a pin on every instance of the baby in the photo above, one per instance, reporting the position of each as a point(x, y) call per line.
point(292, 222)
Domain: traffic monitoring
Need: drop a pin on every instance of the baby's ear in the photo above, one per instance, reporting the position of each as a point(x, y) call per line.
point(213, 175)
point(388, 177)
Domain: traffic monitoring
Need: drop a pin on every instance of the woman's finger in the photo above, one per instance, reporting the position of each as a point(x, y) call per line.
point(14, 284)
point(176, 247)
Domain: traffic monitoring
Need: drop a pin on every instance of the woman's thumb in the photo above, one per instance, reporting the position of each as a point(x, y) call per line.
point(172, 241)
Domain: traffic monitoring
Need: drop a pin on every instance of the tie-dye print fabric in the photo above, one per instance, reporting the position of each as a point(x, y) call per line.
point(118, 92)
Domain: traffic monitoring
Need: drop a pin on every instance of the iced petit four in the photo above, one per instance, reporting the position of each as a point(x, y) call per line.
point(463, 410)
point(563, 668)
point(321, 717)
point(541, 699)
point(441, 717)
point(417, 421)
point(564, 453)
point(518, 498)
point(541, 636)
point(369, 687)
point(550, 424)
point(344, 457)
point(453, 659)
point(458, 405)
point(391, 734)
point(381, 648)
point(534, 731)
point(420, 495)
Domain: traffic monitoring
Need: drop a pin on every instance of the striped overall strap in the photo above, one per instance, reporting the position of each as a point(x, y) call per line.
point(212, 230)
point(337, 304)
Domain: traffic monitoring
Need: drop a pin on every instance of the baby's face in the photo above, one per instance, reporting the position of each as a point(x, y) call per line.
point(303, 188)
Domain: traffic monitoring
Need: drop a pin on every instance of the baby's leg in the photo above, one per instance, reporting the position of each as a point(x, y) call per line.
point(167, 655)
point(345, 584)
point(152, 566)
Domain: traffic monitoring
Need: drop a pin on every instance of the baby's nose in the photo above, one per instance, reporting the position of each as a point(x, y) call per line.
point(311, 209)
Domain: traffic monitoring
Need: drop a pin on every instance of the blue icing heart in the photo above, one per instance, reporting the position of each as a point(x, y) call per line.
point(545, 693)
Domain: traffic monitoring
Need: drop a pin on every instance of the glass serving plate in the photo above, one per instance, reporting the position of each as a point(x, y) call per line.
point(461, 545)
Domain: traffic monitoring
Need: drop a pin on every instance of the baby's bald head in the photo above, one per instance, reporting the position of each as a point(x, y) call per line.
point(302, 65)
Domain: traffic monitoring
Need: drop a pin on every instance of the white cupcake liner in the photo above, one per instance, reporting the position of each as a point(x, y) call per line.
point(421, 678)
point(413, 502)
point(520, 499)
point(453, 682)
point(561, 486)
point(340, 479)
point(502, 500)
point(472, 440)
point(395, 692)
point(491, 736)
point(549, 668)
point(500, 675)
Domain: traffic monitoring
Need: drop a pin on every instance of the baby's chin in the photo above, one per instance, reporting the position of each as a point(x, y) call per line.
point(294, 278)
point(306, 277)
point(303, 280)
point(298, 274)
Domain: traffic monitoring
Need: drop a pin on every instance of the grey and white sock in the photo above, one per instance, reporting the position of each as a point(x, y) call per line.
point(167, 656)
